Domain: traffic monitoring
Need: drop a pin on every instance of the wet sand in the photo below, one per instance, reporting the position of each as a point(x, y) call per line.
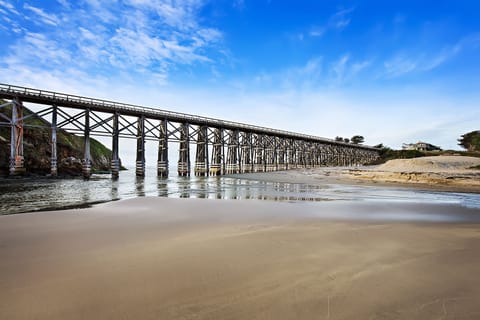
point(159, 258)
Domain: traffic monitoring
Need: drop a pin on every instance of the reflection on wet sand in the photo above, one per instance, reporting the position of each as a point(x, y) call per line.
point(140, 186)
point(40, 194)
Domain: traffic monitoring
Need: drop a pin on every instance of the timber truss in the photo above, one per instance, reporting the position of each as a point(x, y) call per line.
point(222, 147)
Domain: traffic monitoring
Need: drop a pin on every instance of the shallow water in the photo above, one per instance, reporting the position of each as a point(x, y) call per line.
point(26, 195)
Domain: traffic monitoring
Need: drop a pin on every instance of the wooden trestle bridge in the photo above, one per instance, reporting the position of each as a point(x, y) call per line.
point(234, 147)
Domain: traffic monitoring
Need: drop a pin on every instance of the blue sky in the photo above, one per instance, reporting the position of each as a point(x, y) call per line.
point(392, 71)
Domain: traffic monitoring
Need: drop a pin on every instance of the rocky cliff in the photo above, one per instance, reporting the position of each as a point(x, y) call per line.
point(38, 149)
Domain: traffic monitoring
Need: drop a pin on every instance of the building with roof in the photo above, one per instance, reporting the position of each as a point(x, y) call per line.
point(420, 146)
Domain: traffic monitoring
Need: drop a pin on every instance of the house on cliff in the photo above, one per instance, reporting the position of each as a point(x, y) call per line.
point(420, 146)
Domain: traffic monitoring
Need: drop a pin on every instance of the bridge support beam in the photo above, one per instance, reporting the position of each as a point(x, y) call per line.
point(87, 163)
point(269, 157)
point(201, 159)
point(217, 153)
point(258, 153)
point(232, 153)
point(53, 161)
point(162, 163)
point(115, 163)
point(289, 156)
point(140, 161)
point(246, 164)
point(281, 158)
point(184, 151)
point(16, 139)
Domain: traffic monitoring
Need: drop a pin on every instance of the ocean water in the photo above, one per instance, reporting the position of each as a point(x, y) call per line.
point(28, 195)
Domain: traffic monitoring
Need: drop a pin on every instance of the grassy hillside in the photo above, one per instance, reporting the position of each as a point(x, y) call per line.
point(37, 149)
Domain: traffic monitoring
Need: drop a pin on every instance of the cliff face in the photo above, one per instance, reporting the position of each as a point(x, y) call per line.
point(38, 150)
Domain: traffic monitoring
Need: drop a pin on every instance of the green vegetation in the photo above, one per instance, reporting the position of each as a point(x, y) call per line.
point(37, 148)
point(470, 141)
point(387, 153)
point(357, 139)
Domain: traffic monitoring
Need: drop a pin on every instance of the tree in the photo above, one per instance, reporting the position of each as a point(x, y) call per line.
point(470, 141)
point(338, 139)
point(357, 139)
point(346, 140)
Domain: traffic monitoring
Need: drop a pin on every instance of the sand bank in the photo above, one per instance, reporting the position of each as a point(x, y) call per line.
point(440, 171)
point(443, 173)
point(156, 258)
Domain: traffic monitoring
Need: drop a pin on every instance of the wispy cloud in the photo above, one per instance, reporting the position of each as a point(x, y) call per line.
point(9, 7)
point(46, 18)
point(337, 21)
point(339, 67)
point(8, 18)
point(345, 69)
point(402, 63)
point(316, 31)
point(358, 67)
point(133, 35)
point(341, 19)
point(64, 3)
point(39, 49)
point(303, 76)
point(398, 66)
point(316, 73)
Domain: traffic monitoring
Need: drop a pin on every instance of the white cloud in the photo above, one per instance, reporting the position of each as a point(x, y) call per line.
point(46, 18)
point(357, 67)
point(134, 35)
point(180, 14)
point(339, 67)
point(9, 7)
point(345, 69)
point(37, 49)
point(315, 73)
point(317, 31)
point(341, 19)
point(87, 34)
point(64, 3)
point(399, 66)
point(304, 76)
point(338, 21)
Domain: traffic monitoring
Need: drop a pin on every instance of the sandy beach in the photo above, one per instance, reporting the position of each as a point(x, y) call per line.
point(159, 258)
point(452, 173)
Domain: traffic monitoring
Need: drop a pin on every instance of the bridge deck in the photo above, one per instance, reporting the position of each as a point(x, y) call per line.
point(25, 94)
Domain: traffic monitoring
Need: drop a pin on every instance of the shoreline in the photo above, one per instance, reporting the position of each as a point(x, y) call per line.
point(361, 176)
point(296, 185)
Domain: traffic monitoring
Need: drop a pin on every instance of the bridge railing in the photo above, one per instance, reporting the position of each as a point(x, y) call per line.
point(14, 90)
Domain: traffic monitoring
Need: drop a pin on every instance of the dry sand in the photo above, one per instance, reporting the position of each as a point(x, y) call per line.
point(450, 172)
point(156, 258)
